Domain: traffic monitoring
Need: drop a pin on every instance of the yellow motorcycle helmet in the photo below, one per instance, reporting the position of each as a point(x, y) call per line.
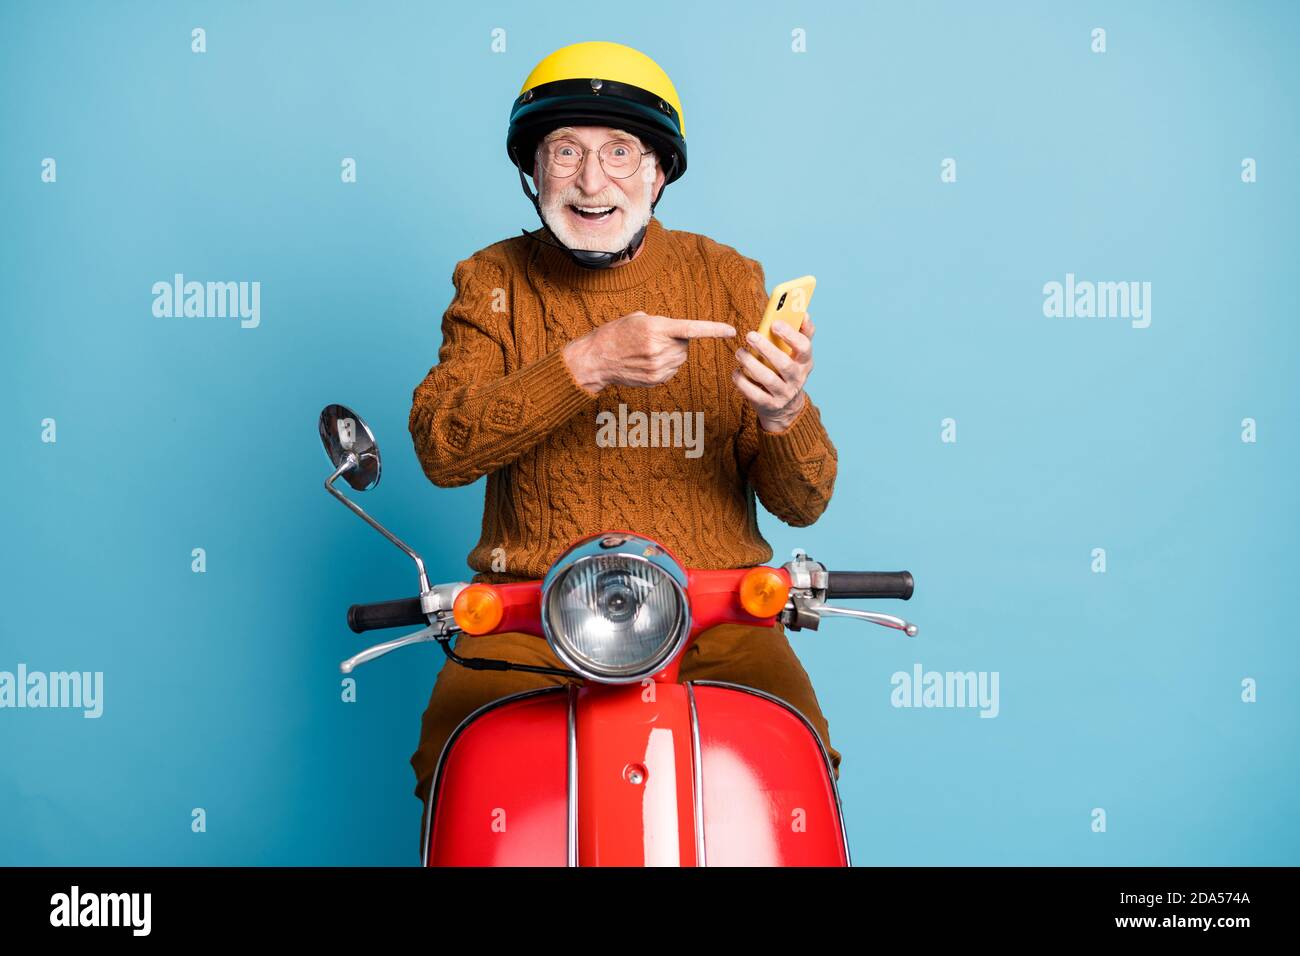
point(598, 83)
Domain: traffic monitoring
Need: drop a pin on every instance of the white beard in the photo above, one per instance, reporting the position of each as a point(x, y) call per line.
point(634, 215)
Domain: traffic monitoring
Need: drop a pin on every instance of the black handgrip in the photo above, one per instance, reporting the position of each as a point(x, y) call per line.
point(869, 584)
point(372, 617)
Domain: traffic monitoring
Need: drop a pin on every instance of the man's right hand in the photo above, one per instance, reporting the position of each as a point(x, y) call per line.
point(637, 349)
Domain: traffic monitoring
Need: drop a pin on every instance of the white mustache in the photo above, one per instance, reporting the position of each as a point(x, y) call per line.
point(580, 200)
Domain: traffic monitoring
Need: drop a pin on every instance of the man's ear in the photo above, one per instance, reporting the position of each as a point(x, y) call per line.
point(660, 176)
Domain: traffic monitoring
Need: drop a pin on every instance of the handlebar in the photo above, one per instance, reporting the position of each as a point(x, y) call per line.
point(404, 612)
point(407, 612)
point(869, 584)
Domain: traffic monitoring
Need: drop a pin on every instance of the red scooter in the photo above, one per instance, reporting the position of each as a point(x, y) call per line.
point(630, 767)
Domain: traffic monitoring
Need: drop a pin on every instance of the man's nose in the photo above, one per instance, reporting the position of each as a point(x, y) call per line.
point(591, 175)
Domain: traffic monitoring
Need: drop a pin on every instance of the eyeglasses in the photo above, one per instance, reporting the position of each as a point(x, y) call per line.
point(619, 158)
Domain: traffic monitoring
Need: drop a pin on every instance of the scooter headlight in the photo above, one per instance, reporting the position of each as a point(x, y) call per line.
point(614, 608)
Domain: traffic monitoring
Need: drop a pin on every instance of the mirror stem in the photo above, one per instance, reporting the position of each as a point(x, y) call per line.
point(329, 486)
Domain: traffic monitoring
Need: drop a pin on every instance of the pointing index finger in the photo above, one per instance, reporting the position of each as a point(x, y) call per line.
point(699, 329)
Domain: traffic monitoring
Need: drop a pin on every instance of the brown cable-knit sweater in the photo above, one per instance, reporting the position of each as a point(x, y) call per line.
point(501, 402)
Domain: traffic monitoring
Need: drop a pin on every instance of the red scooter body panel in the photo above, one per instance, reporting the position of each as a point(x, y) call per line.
point(636, 793)
point(737, 780)
point(501, 789)
point(769, 796)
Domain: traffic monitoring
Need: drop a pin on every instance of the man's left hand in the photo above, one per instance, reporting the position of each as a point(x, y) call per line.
point(776, 393)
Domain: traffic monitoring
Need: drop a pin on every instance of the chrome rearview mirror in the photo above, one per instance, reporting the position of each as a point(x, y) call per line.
point(350, 445)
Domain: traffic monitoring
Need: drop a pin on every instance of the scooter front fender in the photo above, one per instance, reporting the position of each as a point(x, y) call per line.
point(651, 774)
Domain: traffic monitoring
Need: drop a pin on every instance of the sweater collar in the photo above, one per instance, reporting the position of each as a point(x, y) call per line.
point(648, 262)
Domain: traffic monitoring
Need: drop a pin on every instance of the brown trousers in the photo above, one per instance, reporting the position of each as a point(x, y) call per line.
point(758, 657)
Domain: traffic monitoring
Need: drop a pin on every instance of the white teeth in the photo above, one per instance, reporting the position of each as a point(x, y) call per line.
point(596, 209)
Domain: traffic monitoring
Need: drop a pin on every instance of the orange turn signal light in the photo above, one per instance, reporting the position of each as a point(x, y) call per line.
point(763, 592)
point(478, 609)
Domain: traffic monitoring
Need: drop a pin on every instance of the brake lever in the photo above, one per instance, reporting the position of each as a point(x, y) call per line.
point(875, 617)
point(435, 631)
point(806, 607)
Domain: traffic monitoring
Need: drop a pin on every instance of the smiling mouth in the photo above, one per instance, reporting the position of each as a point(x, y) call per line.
point(593, 214)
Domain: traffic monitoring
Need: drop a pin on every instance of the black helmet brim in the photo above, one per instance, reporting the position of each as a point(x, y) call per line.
point(575, 103)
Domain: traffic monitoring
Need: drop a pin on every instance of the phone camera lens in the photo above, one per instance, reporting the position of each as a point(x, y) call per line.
point(780, 303)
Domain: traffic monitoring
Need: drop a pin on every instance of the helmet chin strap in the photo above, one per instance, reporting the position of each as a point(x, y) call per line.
point(588, 258)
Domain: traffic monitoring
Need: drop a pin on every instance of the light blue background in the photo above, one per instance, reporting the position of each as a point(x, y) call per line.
point(1119, 691)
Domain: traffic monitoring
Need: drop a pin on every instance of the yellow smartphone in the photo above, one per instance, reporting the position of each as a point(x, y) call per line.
point(788, 303)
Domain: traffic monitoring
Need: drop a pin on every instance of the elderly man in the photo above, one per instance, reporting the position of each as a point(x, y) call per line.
point(601, 315)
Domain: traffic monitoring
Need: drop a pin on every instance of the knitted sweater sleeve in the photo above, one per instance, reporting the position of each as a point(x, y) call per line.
point(469, 417)
point(792, 471)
